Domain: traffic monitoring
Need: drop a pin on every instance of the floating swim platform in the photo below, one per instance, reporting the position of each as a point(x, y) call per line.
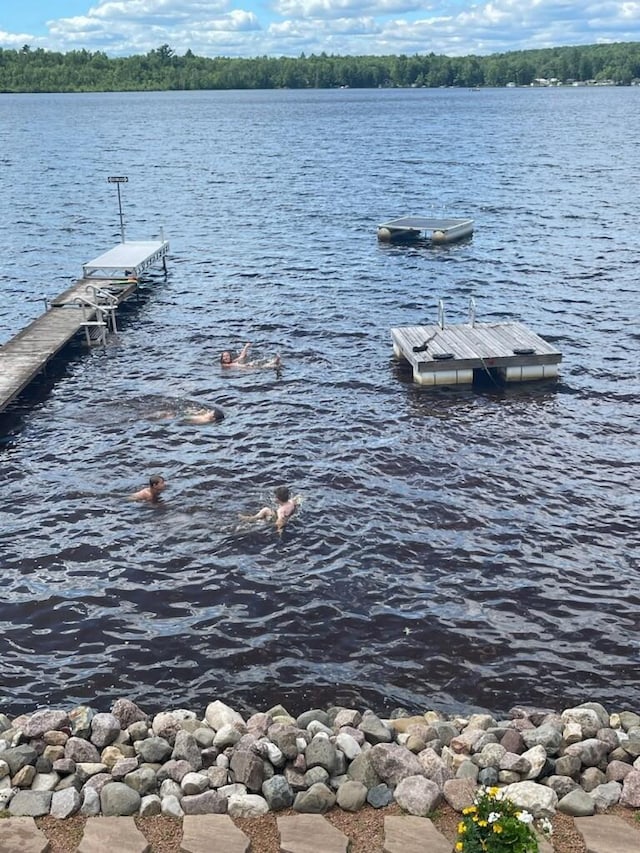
point(459, 354)
point(407, 229)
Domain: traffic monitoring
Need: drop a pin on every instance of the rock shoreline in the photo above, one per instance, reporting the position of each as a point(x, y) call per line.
point(579, 762)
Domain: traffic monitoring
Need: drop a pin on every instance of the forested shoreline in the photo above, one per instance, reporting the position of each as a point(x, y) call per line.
point(161, 69)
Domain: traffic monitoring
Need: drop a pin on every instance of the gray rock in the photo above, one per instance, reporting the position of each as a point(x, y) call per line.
point(393, 763)
point(316, 800)
point(209, 802)
point(315, 775)
point(194, 783)
point(150, 805)
point(30, 803)
point(631, 790)
point(539, 800)
point(467, 770)
point(459, 793)
point(285, 738)
point(118, 799)
point(278, 793)
point(247, 805)
point(217, 714)
point(362, 770)
point(203, 736)
point(591, 778)
point(577, 804)
point(346, 717)
point(537, 758)
point(186, 748)
point(143, 780)
point(24, 777)
point(380, 796)
point(218, 776)
point(375, 731)
point(227, 735)
point(434, 768)
point(153, 750)
point(81, 751)
point(175, 770)
point(514, 763)
point(138, 731)
point(98, 781)
point(18, 757)
point(105, 728)
point(605, 796)
point(171, 807)
point(65, 803)
point(488, 777)
point(590, 751)
point(80, 718)
point(45, 720)
point(417, 795)
point(547, 736)
point(314, 714)
point(121, 768)
point(245, 766)
point(127, 712)
point(568, 765)
point(629, 720)
point(562, 785)
point(45, 782)
point(90, 802)
point(166, 725)
point(321, 753)
point(617, 770)
point(351, 796)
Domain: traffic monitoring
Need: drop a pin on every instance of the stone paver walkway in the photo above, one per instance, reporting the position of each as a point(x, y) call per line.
point(608, 834)
point(298, 834)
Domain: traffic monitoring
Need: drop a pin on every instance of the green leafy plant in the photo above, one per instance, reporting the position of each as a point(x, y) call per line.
point(495, 824)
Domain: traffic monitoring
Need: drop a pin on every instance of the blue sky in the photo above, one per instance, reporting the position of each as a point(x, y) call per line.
point(291, 27)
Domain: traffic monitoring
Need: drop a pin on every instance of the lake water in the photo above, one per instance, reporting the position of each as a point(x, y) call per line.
point(455, 549)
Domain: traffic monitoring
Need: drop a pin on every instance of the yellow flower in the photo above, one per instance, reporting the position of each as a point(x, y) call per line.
point(482, 822)
point(469, 810)
point(459, 845)
point(493, 791)
point(497, 828)
point(462, 828)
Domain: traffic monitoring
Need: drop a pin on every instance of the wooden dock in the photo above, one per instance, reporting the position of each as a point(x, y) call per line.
point(460, 354)
point(88, 306)
point(407, 229)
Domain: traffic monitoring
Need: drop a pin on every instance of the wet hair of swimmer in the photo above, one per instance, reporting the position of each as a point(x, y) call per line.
point(156, 480)
point(282, 494)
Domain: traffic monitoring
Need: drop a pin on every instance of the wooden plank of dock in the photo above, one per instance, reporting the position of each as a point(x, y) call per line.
point(511, 350)
point(108, 280)
point(24, 356)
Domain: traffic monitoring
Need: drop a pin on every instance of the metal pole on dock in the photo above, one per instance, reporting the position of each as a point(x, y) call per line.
point(117, 181)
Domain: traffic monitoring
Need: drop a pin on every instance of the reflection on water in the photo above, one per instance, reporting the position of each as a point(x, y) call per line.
point(455, 548)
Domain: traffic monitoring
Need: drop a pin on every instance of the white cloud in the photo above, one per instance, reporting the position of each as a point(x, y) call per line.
point(287, 27)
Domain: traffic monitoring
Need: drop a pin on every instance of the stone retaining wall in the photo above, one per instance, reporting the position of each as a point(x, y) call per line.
point(60, 762)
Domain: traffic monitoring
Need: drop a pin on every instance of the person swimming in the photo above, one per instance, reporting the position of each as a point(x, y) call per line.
point(189, 414)
point(152, 492)
point(228, 359)
point(285, 508)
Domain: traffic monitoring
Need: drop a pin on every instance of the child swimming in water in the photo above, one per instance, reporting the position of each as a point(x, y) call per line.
point(286, 507)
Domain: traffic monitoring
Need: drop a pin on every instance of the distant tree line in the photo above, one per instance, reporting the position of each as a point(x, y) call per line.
point(28, 70)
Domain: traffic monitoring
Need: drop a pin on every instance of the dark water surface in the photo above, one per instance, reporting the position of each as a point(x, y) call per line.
point(454, 549)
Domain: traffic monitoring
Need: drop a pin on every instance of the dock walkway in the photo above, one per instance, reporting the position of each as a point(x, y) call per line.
point(89, 305)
